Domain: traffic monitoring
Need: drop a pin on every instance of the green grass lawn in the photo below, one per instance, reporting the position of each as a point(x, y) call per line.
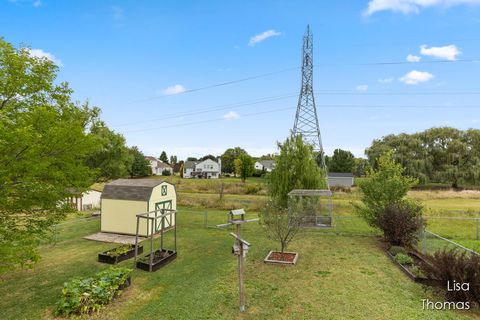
point(337, 277)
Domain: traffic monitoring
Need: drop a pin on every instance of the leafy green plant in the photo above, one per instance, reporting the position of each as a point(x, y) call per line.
point(383, 187)
point(87, 295)
point(118, 251)
point(394, 250)
point(404, 259)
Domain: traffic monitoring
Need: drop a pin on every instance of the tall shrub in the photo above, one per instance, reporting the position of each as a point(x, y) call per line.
point(383, 187)
point(295, 168)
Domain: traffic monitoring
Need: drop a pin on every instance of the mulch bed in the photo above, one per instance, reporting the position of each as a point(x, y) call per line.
point(276, 257)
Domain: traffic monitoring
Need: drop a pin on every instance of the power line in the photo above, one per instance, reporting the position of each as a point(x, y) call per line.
point(257, 101)
point(226, 83)
point(210, 120)
point(213, 109)
point(292, 108)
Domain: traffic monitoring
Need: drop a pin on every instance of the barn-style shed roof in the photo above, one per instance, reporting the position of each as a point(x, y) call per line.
point(130, 189)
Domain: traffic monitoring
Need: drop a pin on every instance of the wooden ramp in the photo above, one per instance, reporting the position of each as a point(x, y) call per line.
point(113, 238)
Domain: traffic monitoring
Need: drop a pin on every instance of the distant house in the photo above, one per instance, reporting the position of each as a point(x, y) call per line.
point(87, 200)
point(340, 179)
point(206, 169)
point(265, 165)
point(158, 166)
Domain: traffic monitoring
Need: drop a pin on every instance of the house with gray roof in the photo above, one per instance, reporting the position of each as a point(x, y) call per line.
point(265, 165)
point(206, 169)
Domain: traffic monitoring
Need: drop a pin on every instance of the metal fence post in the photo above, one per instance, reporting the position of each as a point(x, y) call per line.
point(424, 241)
point(477, 227)
point(205, 219)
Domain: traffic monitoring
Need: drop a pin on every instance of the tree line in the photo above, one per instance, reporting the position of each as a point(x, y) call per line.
point(437, 155)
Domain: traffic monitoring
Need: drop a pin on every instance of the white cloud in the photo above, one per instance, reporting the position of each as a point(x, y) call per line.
point(232, 115)
point(39, 53)
point(37, 3)
point(413, 58)
point(411, 6)
point(416, 77)
point(263, 36)
point(362, 87)
point(386, 80)
point(449, 52)
point(176, 89)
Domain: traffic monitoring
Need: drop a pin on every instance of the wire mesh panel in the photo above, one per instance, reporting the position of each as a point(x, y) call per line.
point(430, 242)
point(313, 207)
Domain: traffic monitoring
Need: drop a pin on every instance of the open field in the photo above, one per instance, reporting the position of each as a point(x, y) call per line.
point(337, 277)
point(205, 193)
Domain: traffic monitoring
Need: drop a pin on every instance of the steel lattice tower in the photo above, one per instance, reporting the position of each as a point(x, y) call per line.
point(306, 120)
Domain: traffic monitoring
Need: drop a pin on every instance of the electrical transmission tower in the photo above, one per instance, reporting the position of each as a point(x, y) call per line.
point(306, 120)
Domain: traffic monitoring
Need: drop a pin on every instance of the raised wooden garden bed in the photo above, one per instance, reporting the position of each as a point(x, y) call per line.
point(408, 269)
point(160, 258)
point(104, 257)
point(284, 258)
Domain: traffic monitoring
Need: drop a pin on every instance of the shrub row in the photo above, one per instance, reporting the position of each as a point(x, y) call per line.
point(87, 295)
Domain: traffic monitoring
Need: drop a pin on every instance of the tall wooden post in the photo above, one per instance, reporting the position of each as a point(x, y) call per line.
point(240, 270)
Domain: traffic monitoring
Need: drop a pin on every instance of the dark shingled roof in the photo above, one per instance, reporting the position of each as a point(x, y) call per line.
point(130, 189)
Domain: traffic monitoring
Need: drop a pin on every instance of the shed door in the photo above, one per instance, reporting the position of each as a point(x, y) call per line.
point(163, 205)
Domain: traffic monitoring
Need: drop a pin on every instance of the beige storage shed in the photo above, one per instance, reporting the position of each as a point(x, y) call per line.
point(123, 199)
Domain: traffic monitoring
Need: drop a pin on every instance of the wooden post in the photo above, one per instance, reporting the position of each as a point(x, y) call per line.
point(151, 249)
point(136, 244)
point(240, 270)
point(174, 229)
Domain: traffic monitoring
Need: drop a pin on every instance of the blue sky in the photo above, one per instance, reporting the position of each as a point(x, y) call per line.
point(130, 58)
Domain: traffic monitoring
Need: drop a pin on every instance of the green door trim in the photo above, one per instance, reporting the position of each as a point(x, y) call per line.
point(157, 206)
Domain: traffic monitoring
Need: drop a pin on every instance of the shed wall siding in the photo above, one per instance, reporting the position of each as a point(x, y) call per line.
point(340, 181)
point(119, 216)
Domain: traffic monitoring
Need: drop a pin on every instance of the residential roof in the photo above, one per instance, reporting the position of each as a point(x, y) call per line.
point(340, 175)
point(190, 164)
point(130, 189)
point(163, 165)
point(269, 164)
point(151, 158)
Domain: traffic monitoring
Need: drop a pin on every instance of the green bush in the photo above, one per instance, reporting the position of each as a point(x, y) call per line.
point(403, 258)
point(394, 250)
point(87, 295)
point(382, 187)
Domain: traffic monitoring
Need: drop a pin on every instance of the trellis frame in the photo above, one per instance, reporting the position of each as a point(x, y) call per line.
point(319, 193)
point(152, 223)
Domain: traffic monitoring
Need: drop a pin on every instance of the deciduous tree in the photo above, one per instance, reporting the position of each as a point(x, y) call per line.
point(44, 144)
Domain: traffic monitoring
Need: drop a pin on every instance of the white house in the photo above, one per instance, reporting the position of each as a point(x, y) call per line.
point(206, 169)
point(158, 166)
point(265, 165)
point(88, 200)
